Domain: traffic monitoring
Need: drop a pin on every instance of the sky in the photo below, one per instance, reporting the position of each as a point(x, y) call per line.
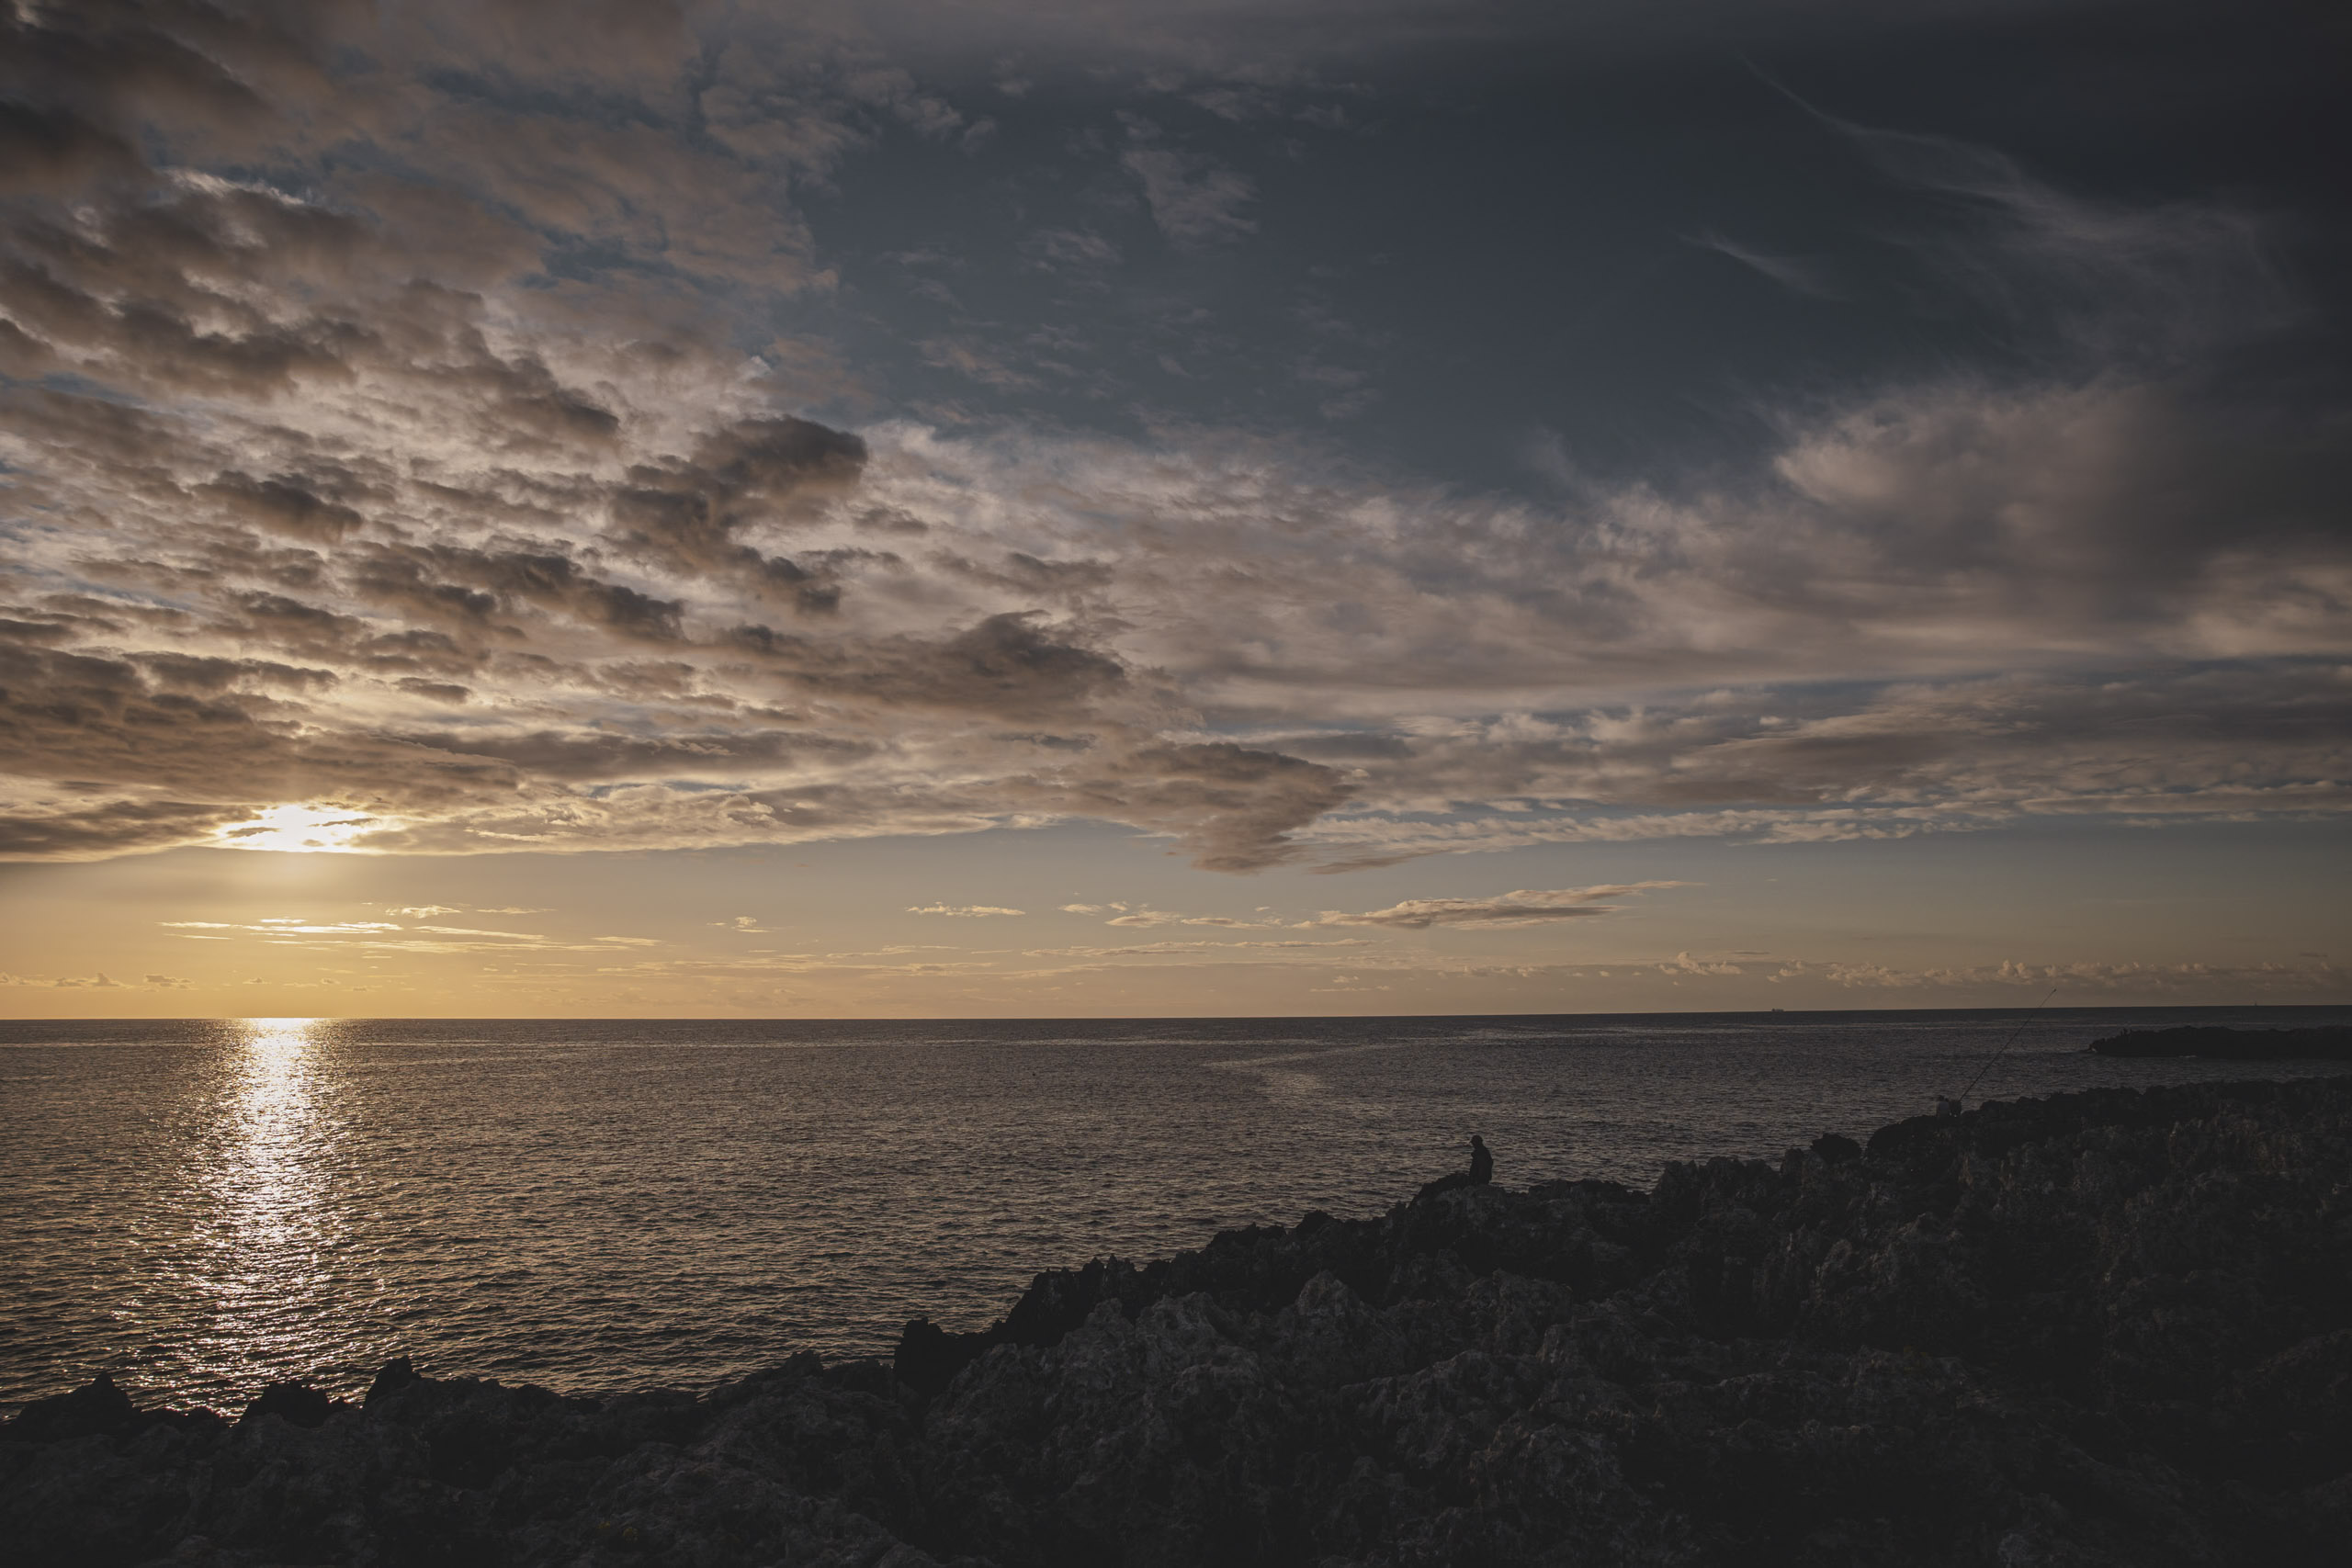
point(1099, 507)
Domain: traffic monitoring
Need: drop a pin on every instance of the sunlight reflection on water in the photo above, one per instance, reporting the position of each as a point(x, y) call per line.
point(268, 1181)
point(201, 1207)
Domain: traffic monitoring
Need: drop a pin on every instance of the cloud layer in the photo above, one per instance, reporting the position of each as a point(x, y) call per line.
point(413, 448)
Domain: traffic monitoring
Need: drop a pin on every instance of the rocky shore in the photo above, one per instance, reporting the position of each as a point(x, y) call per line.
point(2110, 1327)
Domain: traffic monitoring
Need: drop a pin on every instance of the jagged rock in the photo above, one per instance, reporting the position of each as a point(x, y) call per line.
point(303, 1405)
point(2103, 1328)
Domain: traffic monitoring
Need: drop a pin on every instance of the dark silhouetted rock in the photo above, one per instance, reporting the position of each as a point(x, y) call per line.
point(97, 1406)
point(1837, 1149)
point(395, 1375)
point(2231, 1045)
point(302, 1405)
point(2103, 1328)
point(928, 1356)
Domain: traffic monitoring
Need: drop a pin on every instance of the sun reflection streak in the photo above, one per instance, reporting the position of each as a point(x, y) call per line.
point(269, 1280)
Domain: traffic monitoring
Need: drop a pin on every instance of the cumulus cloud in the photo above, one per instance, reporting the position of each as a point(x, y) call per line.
point(961, 911)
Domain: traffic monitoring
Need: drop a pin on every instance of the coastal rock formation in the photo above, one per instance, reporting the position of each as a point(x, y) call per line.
point(2333, 1045)
point(2110, 1327)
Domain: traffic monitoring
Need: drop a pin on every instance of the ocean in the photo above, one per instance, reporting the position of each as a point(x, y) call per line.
point(198, 1207)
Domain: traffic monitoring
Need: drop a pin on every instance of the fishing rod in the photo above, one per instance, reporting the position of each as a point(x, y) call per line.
point(2004, 1046)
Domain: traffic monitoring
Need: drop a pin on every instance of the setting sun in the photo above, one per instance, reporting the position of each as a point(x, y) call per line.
point(300, 829)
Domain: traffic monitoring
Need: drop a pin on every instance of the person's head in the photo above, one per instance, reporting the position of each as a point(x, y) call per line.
point(1477, 1142)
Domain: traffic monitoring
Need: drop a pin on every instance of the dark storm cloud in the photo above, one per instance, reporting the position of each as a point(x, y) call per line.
point(1008, 666)
point(1232, 807)
point(198, 727)
point(51, 150)
point(686, 513)
point(92, 75)
point(115, 828)
point(189, 672)
point(282, 505)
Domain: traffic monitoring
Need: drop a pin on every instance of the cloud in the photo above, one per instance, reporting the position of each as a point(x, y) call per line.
point(1076, 250)
point(410, 449)
point(1187, 948)
point(2079, 977)
point(385, 936)
point(961, 911)
point(469, 930)
point(1195, 203)
point(1526, 907)
point(2126, 281)
point(1144, 919)
point(1792, 272)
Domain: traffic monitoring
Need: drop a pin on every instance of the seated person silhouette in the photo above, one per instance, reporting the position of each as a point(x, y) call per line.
point(1481, 1172)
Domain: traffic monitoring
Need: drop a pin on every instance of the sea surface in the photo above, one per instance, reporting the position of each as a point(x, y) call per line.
point(198, 1207)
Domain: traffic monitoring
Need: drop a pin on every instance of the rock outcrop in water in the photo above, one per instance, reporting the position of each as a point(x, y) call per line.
point(2333, 1044)
point(2103, 1328)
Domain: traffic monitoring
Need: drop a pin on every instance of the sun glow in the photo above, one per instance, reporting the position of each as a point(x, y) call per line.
point(300, 829)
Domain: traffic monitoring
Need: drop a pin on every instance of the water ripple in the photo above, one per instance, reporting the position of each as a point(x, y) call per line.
point(198, 1207)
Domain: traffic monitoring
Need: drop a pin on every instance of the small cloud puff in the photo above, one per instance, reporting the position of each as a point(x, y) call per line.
point(961, 911)
point(429, 911)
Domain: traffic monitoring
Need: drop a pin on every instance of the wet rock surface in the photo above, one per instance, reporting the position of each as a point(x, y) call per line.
point(2112, 1328)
